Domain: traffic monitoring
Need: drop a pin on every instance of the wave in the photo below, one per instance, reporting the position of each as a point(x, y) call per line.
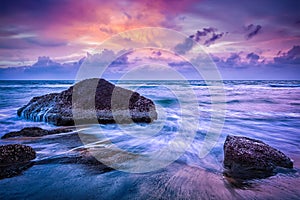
point(166, 102)
point(235, 101)
point(284, 85)
point(35, 86)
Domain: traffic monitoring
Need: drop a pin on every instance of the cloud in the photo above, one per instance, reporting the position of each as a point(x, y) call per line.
point(45, 42)
point(233, 59)
point(121, 60)
point(127, 15)
point(67, 28)
point(178, 64)
point(214, 37)
point(44, 68)
point(156, 53)
point(13, 44)
point(236, 61)
point(184, 47)
point(290, 57)
point(252, 57)
point(204, 32)
point(210, 33)
point(240, 65)
point(252, 30)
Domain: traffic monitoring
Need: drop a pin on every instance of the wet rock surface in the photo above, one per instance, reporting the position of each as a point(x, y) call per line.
point(35, 132)
point(15, 158)
point(90, 100)
point(246, 158)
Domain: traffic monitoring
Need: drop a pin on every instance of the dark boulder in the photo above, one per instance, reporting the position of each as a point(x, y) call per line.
point(34, 132)
point(14, 158)
point(247, 158)
point(90, 99)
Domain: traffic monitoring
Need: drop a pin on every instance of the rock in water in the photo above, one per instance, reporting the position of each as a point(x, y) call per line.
point(34, 132)
point(14, 158)
point(92, 99)
point(247, 158)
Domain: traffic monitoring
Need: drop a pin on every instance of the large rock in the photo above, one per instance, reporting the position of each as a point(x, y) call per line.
point(247, 158)
point(92, 99)
point(14, 158)
point(34, 132)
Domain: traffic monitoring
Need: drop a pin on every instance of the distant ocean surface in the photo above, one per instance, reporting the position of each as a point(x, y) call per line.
point(264, 110)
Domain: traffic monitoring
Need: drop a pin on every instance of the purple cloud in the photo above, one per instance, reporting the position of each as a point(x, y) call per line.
point(44, 68)
point(188, 44)
point(45, 42)
point(209, 32)
point(214, 37)
point(233, 59)
point(252, 57)
point(184, 47)
point(252, 30)
point(157, 53)
point(291, 57)
point(204, 32)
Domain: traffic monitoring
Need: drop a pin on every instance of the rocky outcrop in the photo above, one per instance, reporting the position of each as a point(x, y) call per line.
point(34, 132)
point(14, 158)
point(90, 99)
point(247, 158)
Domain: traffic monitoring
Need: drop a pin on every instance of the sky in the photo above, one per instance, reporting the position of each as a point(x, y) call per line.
point(50, 39)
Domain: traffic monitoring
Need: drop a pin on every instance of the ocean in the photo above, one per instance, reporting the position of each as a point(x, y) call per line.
point(264, 110)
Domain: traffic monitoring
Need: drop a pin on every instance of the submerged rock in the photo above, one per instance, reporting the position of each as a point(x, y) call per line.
point(90, 99)
point(247, 158)
point(14, 158)
point(34, 132)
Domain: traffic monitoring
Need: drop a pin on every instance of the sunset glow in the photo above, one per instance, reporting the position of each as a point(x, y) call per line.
point(67, 30)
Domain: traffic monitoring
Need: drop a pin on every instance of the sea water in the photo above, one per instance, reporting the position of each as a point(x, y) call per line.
point(264, 110)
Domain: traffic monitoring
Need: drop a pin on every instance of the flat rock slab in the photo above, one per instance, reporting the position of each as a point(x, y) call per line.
point(35, 132)
point(247, 158)
point(90, 101)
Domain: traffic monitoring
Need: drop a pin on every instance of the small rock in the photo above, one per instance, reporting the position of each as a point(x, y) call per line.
point(15, 158)
point(34, 132)
point(247, 158)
